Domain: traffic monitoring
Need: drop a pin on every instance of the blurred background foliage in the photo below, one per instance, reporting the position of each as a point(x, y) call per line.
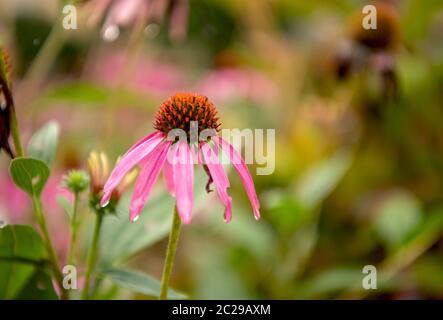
point(359, 139)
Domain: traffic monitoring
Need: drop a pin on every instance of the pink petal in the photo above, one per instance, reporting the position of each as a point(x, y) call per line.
point(183, 169)
point(243, 172)
point(219, 178)
point(147, 178)
point(133, 156)
point(168, 174)
point(124, 12)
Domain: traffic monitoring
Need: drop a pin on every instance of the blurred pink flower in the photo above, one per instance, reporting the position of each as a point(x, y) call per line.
point(57, 220)
point(16, 208)
point(14, 203)
point(123, 13)
point(228, 84)
point(156, 78)
point(118, 12)
point(156, 151)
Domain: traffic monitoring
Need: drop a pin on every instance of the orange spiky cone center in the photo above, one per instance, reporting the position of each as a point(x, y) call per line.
point(179, 110)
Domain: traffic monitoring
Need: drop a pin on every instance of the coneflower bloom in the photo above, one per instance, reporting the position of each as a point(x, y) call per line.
point(176, 157)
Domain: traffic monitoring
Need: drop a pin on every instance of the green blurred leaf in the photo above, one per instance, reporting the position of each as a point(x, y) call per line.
point(121, 239)
point(329, 281)
point(397, 217)
point(284, 211)
point(43, 144)
point(213, 274)
point(428, 272)
point(29, 174)
point(243, 230)
point(66, 205)
point(318, 182)
point(80, 93)
point(138, 282)
point(21, 253)
point(39, 287)
point(426, 234)
point(92, 94)
point(420, 240)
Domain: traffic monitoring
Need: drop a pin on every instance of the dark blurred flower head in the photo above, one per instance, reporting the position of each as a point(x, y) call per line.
point(6, 102)
point(387, 34)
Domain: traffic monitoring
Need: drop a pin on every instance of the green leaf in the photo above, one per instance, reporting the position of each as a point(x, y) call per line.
point(214, 274)
point(39, 287)
point(29, 174)
point(428, 232)
point(138, 282)
point(332, 280)
point(21, 253)
point(397, 217)
point(43, 144)
point(257, 237)
point(321, 180)
point(121, 239)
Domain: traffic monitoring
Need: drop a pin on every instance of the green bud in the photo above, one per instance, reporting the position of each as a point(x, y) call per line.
point(76, 181)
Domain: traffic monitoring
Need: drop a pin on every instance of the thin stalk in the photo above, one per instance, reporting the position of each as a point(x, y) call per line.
point(92, 256)
point(48, 243)
point(15, 133)
point(74, 225)
point(170, 255)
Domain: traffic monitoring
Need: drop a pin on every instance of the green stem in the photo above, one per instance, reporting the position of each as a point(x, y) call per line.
point(46, 56)
point(47, 239)
point(170, 255)
point(15, 132)
point(71, 252)
point(92, 256)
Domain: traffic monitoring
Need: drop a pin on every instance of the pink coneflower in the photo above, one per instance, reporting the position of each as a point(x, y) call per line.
point(159, 151)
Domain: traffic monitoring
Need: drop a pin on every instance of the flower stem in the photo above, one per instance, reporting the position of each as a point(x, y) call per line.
point(51, 252)
point(71, 252)
point(16, 134)
point(170, 255)
point(92, 256)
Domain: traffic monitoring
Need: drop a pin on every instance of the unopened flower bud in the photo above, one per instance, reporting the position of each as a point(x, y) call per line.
point(76, 181)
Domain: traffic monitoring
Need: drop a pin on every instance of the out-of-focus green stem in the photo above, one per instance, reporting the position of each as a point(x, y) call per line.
point(92, 256)
point(74, 225)
point(170, 255)
point(47, 54)
point(51, 252)
point(15, 132)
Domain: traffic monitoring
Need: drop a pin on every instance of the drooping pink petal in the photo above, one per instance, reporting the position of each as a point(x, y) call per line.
point(168, 174)
point(242, 171)
point(183, 169)
point(133, 156)
point(147, 178)
point(219, 178)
